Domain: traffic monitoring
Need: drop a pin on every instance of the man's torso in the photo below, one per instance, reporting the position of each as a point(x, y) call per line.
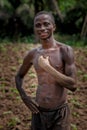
point(49, 93)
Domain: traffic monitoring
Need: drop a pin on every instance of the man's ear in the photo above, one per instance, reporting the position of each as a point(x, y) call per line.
point(54, 27)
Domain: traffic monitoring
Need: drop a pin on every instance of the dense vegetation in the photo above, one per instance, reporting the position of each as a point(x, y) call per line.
point(16, 16)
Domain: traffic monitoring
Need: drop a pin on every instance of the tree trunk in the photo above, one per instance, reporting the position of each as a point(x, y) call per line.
point(38, 5)
point(55, 6)
point(84, 28)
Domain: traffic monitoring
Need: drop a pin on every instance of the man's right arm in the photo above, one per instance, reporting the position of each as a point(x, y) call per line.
point(29, 102)
point(22, 72)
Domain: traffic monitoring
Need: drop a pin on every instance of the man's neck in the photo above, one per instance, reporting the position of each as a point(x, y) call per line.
point(48, 43)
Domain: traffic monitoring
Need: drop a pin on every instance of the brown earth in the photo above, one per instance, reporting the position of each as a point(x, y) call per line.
point(14, 115)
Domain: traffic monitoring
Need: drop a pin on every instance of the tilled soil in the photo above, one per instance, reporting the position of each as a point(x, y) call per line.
point(14, 115)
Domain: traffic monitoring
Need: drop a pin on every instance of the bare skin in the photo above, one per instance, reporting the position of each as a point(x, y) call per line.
point(54, 65)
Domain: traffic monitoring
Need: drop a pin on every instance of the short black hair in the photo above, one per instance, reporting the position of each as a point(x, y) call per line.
point(47, 13)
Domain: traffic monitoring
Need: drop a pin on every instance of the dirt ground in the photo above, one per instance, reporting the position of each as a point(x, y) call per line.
point(14, 115)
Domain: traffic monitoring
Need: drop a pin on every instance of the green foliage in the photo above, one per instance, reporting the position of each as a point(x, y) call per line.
point(16, 17)
point(74, 127)
point(5, 40)
point(13, 68)
point(75, 114)
point(18, 98)
point(75, 102)
point(84, 77)
point(14, 90)
point(33, 86)
point(13, 122)
point(25, 14)
point(25, 1)
point(7, 112)
point(1, 127)
point(82, 4)
point(64, 7)
point(79, 72)
point(5, 6)
point(11, 17)
point(28, 39)
point(72, 40)
point(2, 48)
point(32, 75)
point(2, 88)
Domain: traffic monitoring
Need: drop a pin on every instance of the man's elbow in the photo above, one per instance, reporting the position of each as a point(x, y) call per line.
point(73, 86)
point(73, 89)
point(18, 79)
point(18, 76)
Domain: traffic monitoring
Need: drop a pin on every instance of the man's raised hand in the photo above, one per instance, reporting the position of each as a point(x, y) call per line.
point(43, 62)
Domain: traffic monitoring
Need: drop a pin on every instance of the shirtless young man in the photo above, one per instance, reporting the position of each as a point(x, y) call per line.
point(56, 73)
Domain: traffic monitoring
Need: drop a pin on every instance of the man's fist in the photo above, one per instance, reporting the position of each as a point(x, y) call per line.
point(43, 62)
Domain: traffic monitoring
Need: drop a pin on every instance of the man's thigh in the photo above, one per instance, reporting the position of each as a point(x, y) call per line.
point(64, 122)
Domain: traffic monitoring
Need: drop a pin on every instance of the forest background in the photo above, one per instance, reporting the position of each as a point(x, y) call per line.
point(16, 19)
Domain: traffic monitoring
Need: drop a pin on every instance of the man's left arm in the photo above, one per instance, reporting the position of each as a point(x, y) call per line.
point(68, 79)
point(70, 68)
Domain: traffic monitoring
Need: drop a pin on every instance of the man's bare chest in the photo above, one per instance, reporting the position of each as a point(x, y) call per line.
point(55, 59)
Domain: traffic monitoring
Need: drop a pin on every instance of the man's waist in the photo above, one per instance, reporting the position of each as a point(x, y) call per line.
point(53, 109)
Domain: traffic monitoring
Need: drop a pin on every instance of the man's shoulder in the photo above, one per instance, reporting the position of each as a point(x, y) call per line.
point(31, 53)
point(64, 48)
point(66, 51)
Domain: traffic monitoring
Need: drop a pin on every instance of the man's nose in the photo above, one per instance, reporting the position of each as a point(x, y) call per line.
point(42, 27)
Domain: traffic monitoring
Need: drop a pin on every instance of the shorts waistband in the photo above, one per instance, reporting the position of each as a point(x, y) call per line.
point(54, 109)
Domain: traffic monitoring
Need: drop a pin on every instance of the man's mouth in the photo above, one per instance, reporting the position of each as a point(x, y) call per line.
point(43, 34)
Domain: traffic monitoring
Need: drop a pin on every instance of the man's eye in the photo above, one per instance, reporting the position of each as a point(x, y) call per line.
point(46, 24)
point(37, 25)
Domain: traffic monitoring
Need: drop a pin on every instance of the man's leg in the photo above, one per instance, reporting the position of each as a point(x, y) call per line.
point(37, 122)
point(64, 122)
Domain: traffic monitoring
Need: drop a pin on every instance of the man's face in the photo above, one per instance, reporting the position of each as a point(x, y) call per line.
point(43, 26)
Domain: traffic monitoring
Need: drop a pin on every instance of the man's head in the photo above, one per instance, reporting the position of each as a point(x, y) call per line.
point(44, 25)
point(45, 13)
